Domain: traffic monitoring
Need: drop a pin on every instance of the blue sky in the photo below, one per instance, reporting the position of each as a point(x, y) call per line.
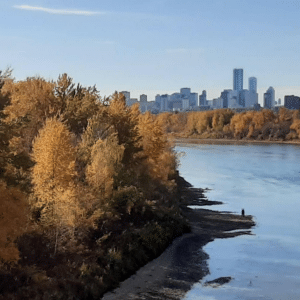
point(154, 46)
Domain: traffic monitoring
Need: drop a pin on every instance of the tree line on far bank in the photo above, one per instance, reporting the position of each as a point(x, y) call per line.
point(87, 189)
point(225, 123)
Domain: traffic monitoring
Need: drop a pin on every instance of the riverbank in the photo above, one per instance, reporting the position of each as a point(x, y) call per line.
point(195, 140)
point(184, 262)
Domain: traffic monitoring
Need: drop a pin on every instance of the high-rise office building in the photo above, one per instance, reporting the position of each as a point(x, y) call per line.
point(202, 98)
point(248, 98)
point(143, 98)
point(225, 95)
point(127, 96)
point(185, 103)
point(269, 98)
point(164, 101)
point(253, 84)
point(143, 103)
point(193, 99)
point(292, 102)
point(238, 79)
point(185, 91)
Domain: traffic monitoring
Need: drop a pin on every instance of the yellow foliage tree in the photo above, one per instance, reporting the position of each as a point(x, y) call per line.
point(124, 120)
point(296, 126)
point(30, 102)
point(32, 98)
point(53, 175)
point(284, 114)
point(160, 160)
point(106, 157)
point(154, 140)
point(262, 117)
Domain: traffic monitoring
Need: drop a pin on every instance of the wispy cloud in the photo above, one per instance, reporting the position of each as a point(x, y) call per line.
point(59, 11)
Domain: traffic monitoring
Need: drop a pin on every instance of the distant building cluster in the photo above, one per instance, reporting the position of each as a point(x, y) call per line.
point(236, 98)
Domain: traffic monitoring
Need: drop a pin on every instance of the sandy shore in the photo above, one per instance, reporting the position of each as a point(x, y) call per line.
point(183, 263)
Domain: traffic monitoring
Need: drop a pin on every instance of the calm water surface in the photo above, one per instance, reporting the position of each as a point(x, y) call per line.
point(265, 181)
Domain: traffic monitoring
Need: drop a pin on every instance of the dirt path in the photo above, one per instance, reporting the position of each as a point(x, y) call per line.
point(184, 262)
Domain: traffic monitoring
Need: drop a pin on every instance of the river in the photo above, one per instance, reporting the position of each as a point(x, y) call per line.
point(265, 181)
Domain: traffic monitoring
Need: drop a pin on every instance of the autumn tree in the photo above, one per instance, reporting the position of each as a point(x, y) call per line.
point(296, 127)
point(284, 114)
point(178, 122)
point(241, 122)
point(77, 103)
point(30, 102)
point(124, 120)
point(13, 221)
point(53, 176)
point(98, 127)
point(4, 136)
point(5, 76)
point(105, 164)
point(160, 160)
point(262, 117)
point(191, 123)
point(153, 139)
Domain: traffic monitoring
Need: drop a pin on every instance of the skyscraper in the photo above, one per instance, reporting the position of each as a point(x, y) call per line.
point(193, 99)
point(127, 96)
point(202, 98)
point(269, 98)
point(185, 91)
point(225, 96)
point(238, 79)
point(143, 98)
point(292, 102)
point(253, 84)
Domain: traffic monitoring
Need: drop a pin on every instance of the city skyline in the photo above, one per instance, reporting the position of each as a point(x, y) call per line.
point(154, 47)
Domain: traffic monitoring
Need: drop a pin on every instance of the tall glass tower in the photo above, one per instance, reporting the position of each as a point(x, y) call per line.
point(253, 84)
point(238, 79)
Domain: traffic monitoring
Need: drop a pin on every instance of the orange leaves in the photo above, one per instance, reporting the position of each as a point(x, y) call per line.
point(262, 117)
point(54, 171)
point(161, 161)
point(200, 122)
point(240, 123)
point(296, 126)
point(33, 98)
point(105, 164)
point(153, 139)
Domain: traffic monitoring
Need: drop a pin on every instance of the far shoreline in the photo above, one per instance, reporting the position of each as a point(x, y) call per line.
point(195, 140)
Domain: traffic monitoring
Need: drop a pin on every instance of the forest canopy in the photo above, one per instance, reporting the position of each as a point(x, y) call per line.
point(80, 176)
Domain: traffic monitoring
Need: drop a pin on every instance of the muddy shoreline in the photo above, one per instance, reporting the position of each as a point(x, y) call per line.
point(183, 263)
